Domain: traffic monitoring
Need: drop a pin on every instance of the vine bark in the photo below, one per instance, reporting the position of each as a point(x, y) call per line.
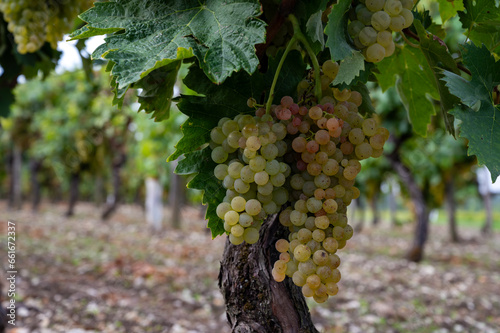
point(255, 303)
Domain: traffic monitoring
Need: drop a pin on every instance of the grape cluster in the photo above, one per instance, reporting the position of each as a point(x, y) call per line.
point(307, 156)
point(248, 152)
point(34, 22)
point(372, 23)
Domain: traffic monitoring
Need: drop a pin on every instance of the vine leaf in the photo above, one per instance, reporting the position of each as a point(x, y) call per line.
point(438, 58)
point(146, 35)
point(314, 29)
point(480, 16)
point(200, 162)
point(480, 117)
point(482, 129)
point(349, 69)
point(157, 89)
point(485, 75)
point(415, 83)
point(449, 9)
point(336, 30)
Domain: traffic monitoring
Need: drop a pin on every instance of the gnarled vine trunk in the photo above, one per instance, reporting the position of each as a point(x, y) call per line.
point(74, 185)
point(35, 166)
point(255, 303)
point(416, 252)
point(451, 209)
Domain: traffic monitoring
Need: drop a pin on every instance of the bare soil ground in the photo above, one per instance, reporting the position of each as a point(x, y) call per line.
point(81, 275)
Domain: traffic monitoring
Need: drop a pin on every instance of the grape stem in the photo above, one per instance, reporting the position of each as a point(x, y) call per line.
point(302, 38)
point(297, 36)
point(291, 43)
point(408, 41)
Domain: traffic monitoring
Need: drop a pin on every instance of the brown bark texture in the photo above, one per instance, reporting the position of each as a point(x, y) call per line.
point(416, 252)
point(451, 209)
point(255, 303)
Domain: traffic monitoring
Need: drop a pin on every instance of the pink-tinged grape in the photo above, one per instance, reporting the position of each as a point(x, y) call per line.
point(282, 245)
point(292, 129)
point(312, 147)
point(286, 101)
point(377, 141)
point(346, 148)
point(322, 137)
point(299, 144)
point(307, 291)
point(315, 113)
point(375, 53)
point(314, 168)
point(356, 98)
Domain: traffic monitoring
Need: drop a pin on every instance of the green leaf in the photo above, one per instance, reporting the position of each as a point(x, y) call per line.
point(483, 16)
point(314, 29)
point(482, 129)
point(336, 30)
point(361, 78)
point(449, 9)
point(349, 69)
point(480, 117)
point(157, 89)
point(200, 162)
point(485, 75)
point(438, 58)
point(414, 82)
point(145, 35)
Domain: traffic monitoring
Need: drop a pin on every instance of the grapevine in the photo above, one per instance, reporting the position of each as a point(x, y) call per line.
point(304, 156)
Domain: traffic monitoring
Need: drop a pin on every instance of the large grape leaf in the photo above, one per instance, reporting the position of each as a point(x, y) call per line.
point(415, 83)
point(201, 163)
point(480, 117)
point(438, 58)
point(481, 16)
point(449, 8)
point(146, 35)
point(336, 30)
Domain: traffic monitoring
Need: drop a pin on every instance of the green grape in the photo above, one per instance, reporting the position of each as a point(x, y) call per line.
point(238, 204)
point(251, 235)
point(397, 23)
point(302, 252)
point(384, 38)
point(219, 155)
point(220, 171)
point(375, 53)
point(368, 36)
point(374, 5)
point(253, 207)
point(381, 20)
point(408, 16)
point(393, 7)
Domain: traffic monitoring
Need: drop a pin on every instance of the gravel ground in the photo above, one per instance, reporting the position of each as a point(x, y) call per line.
point(82, 275)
